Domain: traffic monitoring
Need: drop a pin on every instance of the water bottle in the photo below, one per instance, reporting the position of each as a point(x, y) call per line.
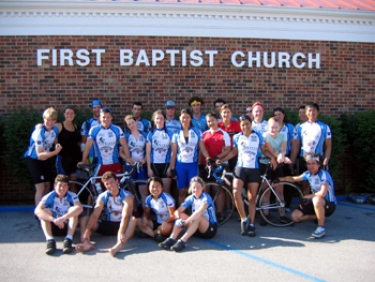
point(98, 188)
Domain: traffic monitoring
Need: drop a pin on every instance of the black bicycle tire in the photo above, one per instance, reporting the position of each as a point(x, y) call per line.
point(296, 191)
point(80, 191)
point(228, 212)
point(135, 184)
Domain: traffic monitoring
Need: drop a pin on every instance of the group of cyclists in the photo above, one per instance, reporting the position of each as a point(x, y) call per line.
point(168, 149)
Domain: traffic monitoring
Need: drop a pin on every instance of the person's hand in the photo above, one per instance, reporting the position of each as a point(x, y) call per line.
point(274, 164)
point(58, 148)
point(59, 222)
point(210, 161)
point(150, 173)
point(303, 202)
point(280, 158)
point(180, 223)
point(287, 160)
point(275, 181)
point(173, 173)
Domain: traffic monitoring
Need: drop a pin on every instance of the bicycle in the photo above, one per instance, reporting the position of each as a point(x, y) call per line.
point(222, 183)
point(88, 191)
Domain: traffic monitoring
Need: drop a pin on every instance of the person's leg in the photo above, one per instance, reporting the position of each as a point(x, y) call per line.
point(40, 192)
point(167, 182)
point(252, 189)
point(237, 194)
point(145, 228)
point(319, 204)
point(125, 238)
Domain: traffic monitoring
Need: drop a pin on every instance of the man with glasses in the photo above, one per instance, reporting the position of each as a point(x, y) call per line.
point(171, 123)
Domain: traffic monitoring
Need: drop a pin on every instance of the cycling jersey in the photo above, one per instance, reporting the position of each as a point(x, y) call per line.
point(215, 141)
point(248, 149)
point(113, 205)
point(188, 148)
point(260, 127)
point(160, 206)
point(173, 125)
point(137, 147)
point(200, 123)
point(195, 204)
point(232, 129)
point(290, 132)
point(312, 136)
point(106, 141)
point(160, 140)
point(144, 125)
point(59, 207)
point(41, 137)
point(85, 129)
point(316, 182)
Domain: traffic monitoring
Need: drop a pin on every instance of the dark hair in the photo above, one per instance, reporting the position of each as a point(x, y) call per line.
point(62, 178)
point(71, 107)
point(280, 109)
point(106, 110)
point(187, 111)
point(312, 105)
point(302, 107)
point(137, 104)
point(195, 98)
point(212, 114)
point(158, 112)
point(219, 101)
point(241, 118)
point(156, 179)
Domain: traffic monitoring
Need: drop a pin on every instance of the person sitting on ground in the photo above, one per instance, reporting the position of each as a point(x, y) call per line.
point(202, 222)
point(62, 208)
point(163, 206)
point(321, 202)
point(117, 205)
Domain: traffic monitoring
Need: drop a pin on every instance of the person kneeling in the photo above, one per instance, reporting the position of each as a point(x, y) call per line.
point(202, 222)
point(58, 212)
point(321, 202)
point(163, 206)
point(117, 205)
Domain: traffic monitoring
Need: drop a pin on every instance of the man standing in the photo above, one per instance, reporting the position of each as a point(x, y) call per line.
point(95, 106)
point(143, 124)
point(118, 207)
point(199, 120)
point(171, 123)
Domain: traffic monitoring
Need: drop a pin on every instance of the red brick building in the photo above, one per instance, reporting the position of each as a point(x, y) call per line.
point(283, 53)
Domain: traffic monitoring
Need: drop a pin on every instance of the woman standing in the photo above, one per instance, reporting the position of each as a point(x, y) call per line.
point(158, 150)
point(69, 138)
point(42, 140)
point(186, 144)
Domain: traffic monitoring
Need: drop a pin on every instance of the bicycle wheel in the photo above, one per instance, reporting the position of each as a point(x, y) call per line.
point(132, 187)
point(84, 194)
point(274, 207)
point(223, 200)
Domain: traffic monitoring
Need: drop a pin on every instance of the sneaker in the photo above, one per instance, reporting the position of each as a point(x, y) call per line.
point(244, 226)
point(67, 249)
point(166, 244)
point(220, 217)
point(178, 246)
point(285, 220)
point(319, 232)
point(51, 247)
point(159, 238)
point(251, 230)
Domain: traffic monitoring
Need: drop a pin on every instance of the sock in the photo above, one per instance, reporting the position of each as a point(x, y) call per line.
point(246, 219)
point(50, 238)
point(69, 237)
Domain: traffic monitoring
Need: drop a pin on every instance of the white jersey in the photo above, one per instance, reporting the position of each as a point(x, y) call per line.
point(160, 206)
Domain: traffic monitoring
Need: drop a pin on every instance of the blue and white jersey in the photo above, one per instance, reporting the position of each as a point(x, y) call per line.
point(113, 205)
point(144, 125)
point(290, 132)
point(137, 146)
point(106, 142)
point(188, 149)
point(260, 127)
point(160, 206)
point(85, 129)
point(248, 149)
point(195, 204)
point(173, 125)
point(312, 136)
point(59, 207)
point(316, 182)
point(160, 140)
point(41, 137)
point(200, 123)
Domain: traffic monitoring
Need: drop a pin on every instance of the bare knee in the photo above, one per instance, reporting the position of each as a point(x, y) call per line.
point(296, 216)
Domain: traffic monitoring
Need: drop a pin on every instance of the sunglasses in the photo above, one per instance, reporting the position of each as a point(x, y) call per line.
point(169, 108)
point(197, 179)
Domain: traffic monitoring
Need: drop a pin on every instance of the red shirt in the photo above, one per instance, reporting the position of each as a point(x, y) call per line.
point(215, 142)
point(233, 128)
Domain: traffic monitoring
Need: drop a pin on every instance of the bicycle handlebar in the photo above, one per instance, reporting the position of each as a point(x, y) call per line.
point(216, 171)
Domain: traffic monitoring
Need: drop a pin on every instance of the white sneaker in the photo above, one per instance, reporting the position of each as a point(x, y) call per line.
point(319, 232)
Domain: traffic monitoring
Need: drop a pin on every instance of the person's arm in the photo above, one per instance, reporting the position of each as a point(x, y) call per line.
point(148, 156)
point(180, 210)
point(230, 155)
point(327, 154)
point(125, 150)
point(291, 178)
point(93, 220)
point(321, 193)
point(203, 149)
point(41, 213)
point(224, 153)
point(174, 150)
point(295, 149)
point(198, 213)
point(46, 155)
point(171, 211)
point(146, 216)
point(72, 212)
point(86, 152)
point(127, 212)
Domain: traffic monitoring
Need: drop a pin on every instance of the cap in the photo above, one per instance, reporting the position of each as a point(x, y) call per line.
point(96, 103)
point(170, 103)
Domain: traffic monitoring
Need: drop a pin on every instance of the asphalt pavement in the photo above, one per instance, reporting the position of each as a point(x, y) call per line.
point(346, 253)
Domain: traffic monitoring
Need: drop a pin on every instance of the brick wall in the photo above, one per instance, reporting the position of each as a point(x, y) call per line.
point(344, 83)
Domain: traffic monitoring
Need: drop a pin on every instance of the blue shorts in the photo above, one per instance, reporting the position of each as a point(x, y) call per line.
point(185, 172)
